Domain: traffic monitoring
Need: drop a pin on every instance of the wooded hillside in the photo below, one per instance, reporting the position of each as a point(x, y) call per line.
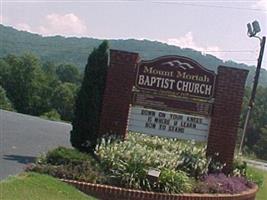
point(75, 51)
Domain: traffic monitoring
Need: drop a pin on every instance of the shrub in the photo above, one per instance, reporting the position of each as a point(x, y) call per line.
point(130, 174)
point(82, 172)
point(172, 181)
point(70, 164)
point(239, 167)
point(153, 151)
point(220, 183)
point(63, 156)
point(127, 163)
point(194, 161)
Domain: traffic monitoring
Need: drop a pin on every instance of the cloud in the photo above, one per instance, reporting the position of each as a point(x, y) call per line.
point(187, 41)
point(3, 19)
point(23, 27)
point(67, 24)
point(260, 4)
point(56, 24)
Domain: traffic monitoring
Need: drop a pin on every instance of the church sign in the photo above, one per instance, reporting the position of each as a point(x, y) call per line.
point(178, 76)
point(176, 97)
point(168, 124)
point(172, 97)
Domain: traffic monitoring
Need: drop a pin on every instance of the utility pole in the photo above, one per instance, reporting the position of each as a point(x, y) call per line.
point(252, 33)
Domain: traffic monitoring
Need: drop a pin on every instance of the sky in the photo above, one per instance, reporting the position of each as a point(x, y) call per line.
point(210, 26)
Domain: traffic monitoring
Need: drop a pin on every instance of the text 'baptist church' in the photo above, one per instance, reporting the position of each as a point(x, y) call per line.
point(176, 81)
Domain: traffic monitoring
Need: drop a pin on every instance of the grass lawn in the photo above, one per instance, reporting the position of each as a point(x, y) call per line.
point(33, 186)
point(262, 193)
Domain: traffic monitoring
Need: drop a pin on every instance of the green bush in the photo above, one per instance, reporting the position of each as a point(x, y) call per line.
point(153, 151)
point(63, 156)
point(172, 181)
point(239, 167)
point(69, 163)
point(130, 174)
point(83, 172)
point(194, 161)
point(127, 163)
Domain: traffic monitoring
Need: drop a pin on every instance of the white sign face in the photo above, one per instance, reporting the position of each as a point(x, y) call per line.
point(168, 124)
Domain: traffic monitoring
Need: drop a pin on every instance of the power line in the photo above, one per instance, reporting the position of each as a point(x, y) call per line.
point(71, 1)
point(212, 6)
point(232, 51)
point(245, 60)
point(188, 3)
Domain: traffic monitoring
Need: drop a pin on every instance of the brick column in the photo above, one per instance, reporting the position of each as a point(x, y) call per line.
point(118, 92)
point(229, 93)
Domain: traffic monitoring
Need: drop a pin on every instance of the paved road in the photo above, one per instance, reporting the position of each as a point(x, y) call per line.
point(23, 137)
point(257, 164)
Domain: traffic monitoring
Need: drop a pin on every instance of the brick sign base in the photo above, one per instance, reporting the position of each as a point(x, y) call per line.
point(229, 91)
point(118, 92)
point(226, 114)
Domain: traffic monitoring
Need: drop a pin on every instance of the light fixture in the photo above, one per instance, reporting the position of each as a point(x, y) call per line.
point(253, 29)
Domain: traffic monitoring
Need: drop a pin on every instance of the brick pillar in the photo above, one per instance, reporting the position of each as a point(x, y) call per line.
point(118, 92)
point(229, 93)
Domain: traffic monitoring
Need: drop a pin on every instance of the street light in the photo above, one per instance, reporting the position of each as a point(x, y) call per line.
point(254, 29)
point(252, 32)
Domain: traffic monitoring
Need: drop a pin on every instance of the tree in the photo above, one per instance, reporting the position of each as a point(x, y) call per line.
point(63, 100)
point(261, 146)
point(51, 115)
point(49, 68)
point(24, 84)
point(256, 137)
point(34, 88)
point(4, 101)
point(89, 101)
point(68, 73)
point(49, 82)
point(4, 72)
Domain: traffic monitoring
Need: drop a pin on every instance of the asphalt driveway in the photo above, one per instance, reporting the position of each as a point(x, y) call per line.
point(23, 137)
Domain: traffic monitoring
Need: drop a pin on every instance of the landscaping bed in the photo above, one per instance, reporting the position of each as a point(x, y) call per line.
point(181, 167)
point(106, 192)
